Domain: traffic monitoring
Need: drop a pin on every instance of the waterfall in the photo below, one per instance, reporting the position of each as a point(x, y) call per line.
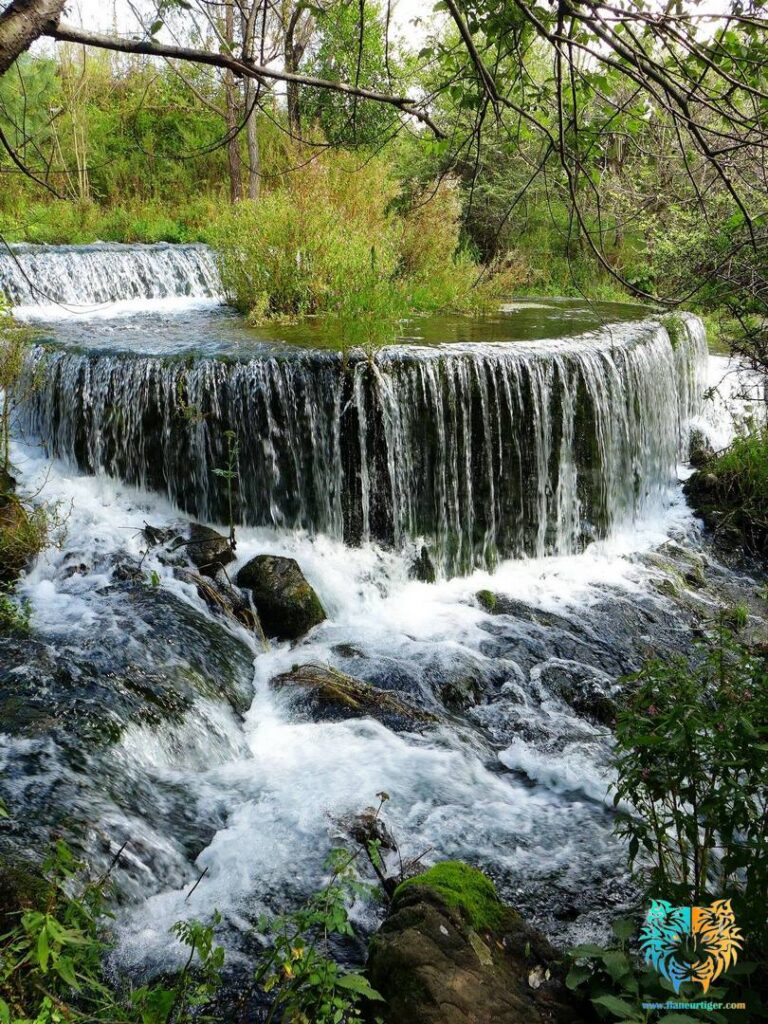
point(484, 451)
point(40, 277)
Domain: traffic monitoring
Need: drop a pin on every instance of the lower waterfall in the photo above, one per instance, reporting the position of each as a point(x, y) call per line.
point(484, 451)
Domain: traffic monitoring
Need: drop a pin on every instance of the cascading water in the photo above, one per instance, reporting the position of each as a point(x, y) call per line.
point(135, 714)
point(43, 282)
point(486, 451)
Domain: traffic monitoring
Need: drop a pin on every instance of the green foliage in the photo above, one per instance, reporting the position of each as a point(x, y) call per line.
point(307, 984)
point(692, 760)
point(465, 887)
point(52, 959)
point(617, 984)
point(342, 119)
point(731, 491)
point(14, 616)
point(331, 241)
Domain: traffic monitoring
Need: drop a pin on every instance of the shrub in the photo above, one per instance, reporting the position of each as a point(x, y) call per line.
point(333, 240)
point(692, 760)
point(52, 957)
point(731, 492)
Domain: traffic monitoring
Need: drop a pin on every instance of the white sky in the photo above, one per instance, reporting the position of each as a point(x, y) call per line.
point(101, 16)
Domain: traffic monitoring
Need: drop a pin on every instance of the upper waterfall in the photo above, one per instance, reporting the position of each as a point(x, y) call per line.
point(47, 282)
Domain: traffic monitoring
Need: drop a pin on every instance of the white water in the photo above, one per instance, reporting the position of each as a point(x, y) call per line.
point(51, 283)
point(518, 785)
point(276, 785)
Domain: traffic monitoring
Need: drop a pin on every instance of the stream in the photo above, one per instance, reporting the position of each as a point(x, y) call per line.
point(536, 454)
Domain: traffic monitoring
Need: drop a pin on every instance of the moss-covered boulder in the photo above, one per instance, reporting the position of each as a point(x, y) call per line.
point(288, 607)
point(331, 694)
point(450, 952)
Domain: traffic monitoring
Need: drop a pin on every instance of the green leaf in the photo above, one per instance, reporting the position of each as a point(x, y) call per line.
point(618, 1007)
point(66, 971)
point(576, 976)
point(357, 983)
point(617, 964)
point(42, 949)
point(587, 949)
point(623, 928)
point(156, 26)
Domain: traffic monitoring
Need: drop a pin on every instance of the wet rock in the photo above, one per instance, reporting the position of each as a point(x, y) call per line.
point(222, 599)
point(589, 692)
point(450, 953)
point(157, 535)
point(423, 567)
point(368, 827)
point(333, 695)
point(209, 550)
point(461, 694)
point(288, 607)
point(128, 572)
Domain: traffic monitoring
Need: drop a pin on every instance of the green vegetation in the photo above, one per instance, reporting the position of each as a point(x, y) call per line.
point(56, 935)
point(731, 493)
point(692, 764)
point(53, 947)
point(24, 528)
point(306, 982)
point(331, 240)
point(692, 759)
point(465, 887)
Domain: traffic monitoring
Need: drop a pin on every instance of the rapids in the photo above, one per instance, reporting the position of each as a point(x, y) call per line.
point(543, 471)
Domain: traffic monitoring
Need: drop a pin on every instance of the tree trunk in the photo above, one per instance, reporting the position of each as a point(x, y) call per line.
point(21, 23)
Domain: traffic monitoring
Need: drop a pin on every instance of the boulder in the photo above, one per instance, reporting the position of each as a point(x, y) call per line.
point(333, 695)
point(208, 549)
point(287, 605)
point(461, 693)
point(450, 953)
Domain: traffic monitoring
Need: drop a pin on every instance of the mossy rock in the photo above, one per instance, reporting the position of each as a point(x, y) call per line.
point(450, 953)
point(463, 887)
point(332, 694)
point(487, 599)
point(287, 605)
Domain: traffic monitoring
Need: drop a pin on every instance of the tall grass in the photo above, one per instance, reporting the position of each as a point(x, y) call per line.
point(336, 239)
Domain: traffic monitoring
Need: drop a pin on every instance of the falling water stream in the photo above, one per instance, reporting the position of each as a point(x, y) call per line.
point(534, 455)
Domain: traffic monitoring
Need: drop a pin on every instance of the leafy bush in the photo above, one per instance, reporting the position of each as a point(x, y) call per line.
point(618, 985)
point(331, 240)
point(731, 492)
point(308, 985)
point(692, 760)
point(52, 959)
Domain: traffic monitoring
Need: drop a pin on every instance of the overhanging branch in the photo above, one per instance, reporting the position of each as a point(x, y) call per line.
point(246, 69)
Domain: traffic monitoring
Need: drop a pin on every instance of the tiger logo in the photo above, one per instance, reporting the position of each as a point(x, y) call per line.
point(710, 933)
